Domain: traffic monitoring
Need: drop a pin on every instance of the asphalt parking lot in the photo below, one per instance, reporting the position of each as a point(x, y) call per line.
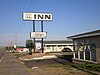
point(54, 66)
point(38, 60)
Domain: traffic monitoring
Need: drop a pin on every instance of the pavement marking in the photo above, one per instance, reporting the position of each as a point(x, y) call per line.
point(49, 57)
point(34, 67)
point(38, 58)
point(1, 59)
point(22, 62)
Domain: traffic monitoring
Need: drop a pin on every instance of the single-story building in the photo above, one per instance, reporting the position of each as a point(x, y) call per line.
point(86, 47)
point(56, 45)
point(49, 46)
point(21, 49)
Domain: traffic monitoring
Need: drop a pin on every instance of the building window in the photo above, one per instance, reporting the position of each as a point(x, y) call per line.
point(93, 51)
point(60, 47)
point(87, 49)
point(76, 48)
point(64, 46)
point(48, 47)
point(81, 49)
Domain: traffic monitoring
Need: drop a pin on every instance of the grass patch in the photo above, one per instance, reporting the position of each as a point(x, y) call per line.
point(56, 65)
point(67, 67)
point(87, 66)
point(20, 54)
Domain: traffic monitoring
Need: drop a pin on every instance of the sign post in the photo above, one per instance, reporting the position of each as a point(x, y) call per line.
point(42, 38)
point(34, 31)
point(37, 17)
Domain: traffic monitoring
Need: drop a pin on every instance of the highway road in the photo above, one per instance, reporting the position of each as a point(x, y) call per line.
point(1, 55)
point(10, 65)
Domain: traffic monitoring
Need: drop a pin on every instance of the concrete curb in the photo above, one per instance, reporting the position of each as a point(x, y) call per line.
point(39, 58)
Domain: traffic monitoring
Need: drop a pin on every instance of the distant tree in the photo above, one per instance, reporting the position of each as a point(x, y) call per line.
point(29, 44)
point(7, 48)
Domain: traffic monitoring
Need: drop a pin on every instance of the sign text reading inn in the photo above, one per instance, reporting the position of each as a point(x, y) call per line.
point(37, 16)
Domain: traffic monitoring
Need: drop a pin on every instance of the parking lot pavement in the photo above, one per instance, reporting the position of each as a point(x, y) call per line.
point(40, 63)
point(49, 66)
point(42, 59)
point(11, 66)
point(54, 66)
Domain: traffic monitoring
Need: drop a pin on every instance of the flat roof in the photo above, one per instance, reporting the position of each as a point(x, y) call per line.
point(87, 34)
point(56, 41)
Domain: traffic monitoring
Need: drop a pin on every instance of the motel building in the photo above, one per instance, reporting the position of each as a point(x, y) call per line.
point(49, 46)
point(55, 45)
point(86, 47)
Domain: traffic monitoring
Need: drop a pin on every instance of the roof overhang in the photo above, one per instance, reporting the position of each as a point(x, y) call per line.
point(84, 35)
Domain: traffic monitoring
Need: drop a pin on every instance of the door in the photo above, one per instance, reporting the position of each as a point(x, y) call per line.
point(53, 48)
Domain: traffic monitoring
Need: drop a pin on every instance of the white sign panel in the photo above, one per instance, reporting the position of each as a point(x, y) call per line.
point(38, 35)
point(38, 45)
point(37, 16)
point(15, 46)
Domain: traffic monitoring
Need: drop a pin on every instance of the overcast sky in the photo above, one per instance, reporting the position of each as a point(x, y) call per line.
point(70, 17)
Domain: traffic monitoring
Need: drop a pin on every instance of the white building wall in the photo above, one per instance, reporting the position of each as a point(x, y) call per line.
point(56, 47)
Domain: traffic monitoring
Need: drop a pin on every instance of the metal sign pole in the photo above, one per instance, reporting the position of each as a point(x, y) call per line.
point(42, 38)
point(34, 31)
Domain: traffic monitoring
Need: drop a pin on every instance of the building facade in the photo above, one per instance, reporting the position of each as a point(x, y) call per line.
point(57, 45)
point(86, 47)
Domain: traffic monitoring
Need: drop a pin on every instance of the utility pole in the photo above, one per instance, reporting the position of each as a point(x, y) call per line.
point(16, 39)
